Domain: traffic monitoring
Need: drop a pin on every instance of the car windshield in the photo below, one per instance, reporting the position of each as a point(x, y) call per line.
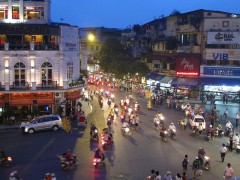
point(34, 119)
point(199, 120)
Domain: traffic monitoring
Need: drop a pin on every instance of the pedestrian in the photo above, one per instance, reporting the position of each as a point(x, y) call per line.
point(184, 176)
point(153, 175)
point(237, 118)
point(158, 176)
point(136, 121)
point(225, 113)
point(230, 144)
point(178, 177)
point(185, 163)
point(168, 176)
point(223, 151)
point(196, 167)
point(228, 174)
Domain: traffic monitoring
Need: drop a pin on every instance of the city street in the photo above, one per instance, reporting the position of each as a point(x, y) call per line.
point(130, 158)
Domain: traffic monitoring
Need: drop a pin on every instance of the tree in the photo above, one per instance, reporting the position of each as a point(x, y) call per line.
point(118, 60)
point(174, 12)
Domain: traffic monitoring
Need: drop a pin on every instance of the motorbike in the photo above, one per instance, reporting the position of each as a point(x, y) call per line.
point(125, 129)
point(106, 142)
point(116, 111)
point(98, 161)
point(68, 164)
point(229, 132)
point(6, 161)
point(94, 135)
point(101, 104)
point(15, 176)
point(206, 162)
point(137, 108)
point(173, 133)
point(209, 136)
point(163, 135)
point(157, 125)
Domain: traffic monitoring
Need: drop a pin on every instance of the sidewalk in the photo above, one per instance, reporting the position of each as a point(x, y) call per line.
point(86, 107)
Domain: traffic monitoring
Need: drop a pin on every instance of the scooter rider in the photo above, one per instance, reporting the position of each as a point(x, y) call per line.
point(99, 154)
point(171, 127)
point(201, 154)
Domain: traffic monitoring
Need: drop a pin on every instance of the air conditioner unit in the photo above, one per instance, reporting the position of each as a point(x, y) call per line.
point(58, 95)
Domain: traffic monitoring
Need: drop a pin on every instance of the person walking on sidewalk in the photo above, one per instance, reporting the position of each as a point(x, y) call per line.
point(228, 174)
point(225, 113)
point(237, 118)
point(223, 151)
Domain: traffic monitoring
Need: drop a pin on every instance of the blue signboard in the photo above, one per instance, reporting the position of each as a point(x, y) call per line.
point(221, 71)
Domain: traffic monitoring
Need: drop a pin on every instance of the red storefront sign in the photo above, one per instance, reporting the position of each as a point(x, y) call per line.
point(187, 66)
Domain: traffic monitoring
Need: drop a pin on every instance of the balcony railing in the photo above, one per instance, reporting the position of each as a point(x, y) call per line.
point(26, 86)
point(26, 46)
point(20, 86)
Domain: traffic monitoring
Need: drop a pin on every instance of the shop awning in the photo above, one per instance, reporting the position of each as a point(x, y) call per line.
point(21, 103)
point(220, 81)
point(45, 101)
point(74, 98)
point(155, 76)
point(188, 82)
point(166, 80)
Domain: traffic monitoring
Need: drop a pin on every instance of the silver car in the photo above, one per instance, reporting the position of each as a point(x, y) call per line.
point(46, 122)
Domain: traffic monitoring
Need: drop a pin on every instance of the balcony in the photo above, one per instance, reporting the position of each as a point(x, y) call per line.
point(49, 86)
point(27, 46)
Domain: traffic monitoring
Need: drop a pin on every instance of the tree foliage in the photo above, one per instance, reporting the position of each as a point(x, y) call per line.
point(174, 12)
point(116, 59)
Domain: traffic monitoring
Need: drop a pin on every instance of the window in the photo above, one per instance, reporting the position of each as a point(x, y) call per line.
point(3, 12)
point(235, 24)
point(215, 24)
point(47, 74)
point(70, 71)
point(225, 23)
point(194, 39)
point(19, 74)
point(33, 13)
point(185, 39)
point(15, 12)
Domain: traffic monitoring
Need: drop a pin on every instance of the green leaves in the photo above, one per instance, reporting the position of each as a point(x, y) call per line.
point(116, 59)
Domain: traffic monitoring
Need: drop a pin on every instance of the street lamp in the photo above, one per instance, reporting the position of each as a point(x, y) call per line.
point(91, 37)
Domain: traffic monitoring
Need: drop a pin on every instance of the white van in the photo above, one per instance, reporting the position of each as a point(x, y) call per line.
point(196, 120)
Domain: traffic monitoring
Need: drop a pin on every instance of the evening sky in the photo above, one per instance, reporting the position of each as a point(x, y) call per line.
point(126, 13)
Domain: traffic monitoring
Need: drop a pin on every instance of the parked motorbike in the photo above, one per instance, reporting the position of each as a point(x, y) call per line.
point(68, 164)
point(229, 132)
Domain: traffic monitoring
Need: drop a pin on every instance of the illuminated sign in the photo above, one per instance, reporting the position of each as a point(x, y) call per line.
point(187, 66)
point(223, 38)
point(221, 71)
point(3, 7)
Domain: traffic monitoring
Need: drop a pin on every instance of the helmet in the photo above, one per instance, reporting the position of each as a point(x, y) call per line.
point(171, 123)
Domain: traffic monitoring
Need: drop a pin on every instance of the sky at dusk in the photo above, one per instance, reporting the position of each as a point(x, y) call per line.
point(126, 13)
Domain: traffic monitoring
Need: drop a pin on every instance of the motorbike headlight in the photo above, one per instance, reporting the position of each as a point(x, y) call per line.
point(206, 157)
point(165, 132)
point(9, 158)
point(127, 129)
point(96, 131)
point(174, 130)
point(158, 122)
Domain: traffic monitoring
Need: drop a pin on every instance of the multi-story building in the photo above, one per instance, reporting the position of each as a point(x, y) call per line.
point(186, 41)
point(40, 60)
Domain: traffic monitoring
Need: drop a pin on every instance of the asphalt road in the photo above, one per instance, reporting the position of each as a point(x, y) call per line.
point(130, 158)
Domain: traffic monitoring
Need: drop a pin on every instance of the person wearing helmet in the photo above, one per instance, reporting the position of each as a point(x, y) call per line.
point(210, 130)
point(172, 127)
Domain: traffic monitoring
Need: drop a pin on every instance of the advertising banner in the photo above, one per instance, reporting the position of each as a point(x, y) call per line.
point(187, 66)
point(223, 38)
point(223, 54)
point(221, 71)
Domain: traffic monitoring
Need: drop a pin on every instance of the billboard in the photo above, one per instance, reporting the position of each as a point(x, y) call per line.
point(223, 38)
point(223, 54)
point(187, 66)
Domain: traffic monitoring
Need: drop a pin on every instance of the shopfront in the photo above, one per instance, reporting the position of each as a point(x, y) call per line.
point(153, 80)
point(187, 74)
point(220, 80)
